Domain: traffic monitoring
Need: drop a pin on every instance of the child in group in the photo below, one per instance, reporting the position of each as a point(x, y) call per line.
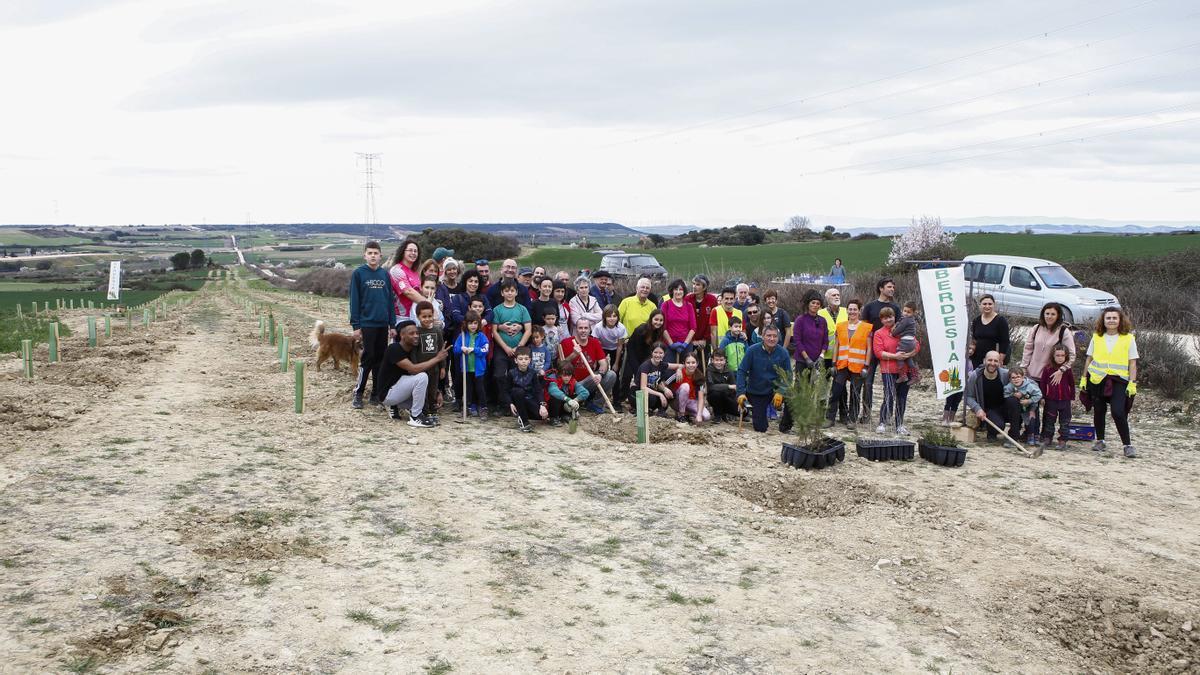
point(510, 330)
point(471, 350)
point(541, 356)
point(429, 342)
point(721, 383)
point(522, 391)
point(734, 344)
point(1026, 395)
point(429, 290)
point(566, 394)
point(655, 377)
point(478, 305)
point(689, 392)
point(553, 331)
point(905, 328)
point(611, 333)
point(1058, 397)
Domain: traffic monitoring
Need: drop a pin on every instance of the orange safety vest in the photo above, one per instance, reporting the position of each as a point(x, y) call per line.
point(852, 353)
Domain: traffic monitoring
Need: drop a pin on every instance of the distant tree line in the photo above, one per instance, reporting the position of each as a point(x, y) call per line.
point(467, 244)
point(184, 260)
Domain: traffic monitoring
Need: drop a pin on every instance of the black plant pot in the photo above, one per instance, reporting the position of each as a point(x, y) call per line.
point(943, 456)
point(883, 450)
point(830, 452)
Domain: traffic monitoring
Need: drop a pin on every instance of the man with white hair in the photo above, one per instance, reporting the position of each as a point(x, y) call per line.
point(742, 299)
point(834, 313)
point(635, 310)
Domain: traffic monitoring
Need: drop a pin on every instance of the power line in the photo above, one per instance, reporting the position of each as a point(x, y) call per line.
point(972, 99)
point(1061, 99)
point(1035, 147)
point(1005, 140)
point(814, 97)
point(967, 76)
point(368, 159)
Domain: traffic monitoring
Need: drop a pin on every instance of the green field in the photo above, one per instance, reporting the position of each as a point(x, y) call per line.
point(867, 254)
point(12, 236)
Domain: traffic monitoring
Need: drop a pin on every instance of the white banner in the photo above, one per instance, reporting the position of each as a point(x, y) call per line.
point(114, 280)
point(944, 297)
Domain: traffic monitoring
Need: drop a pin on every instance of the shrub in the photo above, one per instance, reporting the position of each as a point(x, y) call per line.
point(1165, 364)
point(806, 397)
point(467, 244)
point(325, 281)
point(1163, 292)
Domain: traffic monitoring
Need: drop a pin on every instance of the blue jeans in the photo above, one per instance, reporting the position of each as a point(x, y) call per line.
point(895, 400)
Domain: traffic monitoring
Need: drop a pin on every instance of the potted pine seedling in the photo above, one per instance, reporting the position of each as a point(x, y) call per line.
point(805, 398)
point(939, 446)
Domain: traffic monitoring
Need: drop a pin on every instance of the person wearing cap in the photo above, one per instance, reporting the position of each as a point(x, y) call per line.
point(451, 272)
point(702, 303)
point(635, 310)
point(525, 276)
point(508, 270)
point(602, 289)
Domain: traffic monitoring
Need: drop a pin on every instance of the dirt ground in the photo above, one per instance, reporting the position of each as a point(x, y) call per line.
point(163, 508)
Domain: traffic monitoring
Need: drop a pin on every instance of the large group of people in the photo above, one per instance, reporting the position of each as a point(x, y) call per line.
point(543, 348)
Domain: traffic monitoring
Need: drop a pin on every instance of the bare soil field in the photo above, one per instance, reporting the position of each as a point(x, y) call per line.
point(163, 508)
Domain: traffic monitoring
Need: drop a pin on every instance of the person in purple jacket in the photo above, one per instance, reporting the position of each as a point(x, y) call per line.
point(810, 334)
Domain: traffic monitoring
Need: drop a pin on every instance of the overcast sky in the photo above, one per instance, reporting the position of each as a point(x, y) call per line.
point(648, 112)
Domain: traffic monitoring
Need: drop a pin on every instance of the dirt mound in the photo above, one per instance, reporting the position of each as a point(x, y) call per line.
point(254, 403)
point(19, 412)
point(246, 535)
point(1114, 632)
point(808, 497)
point(152, 615)
point(662, 430)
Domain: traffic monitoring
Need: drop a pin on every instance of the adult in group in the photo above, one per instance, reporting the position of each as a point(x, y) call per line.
point(679, 320)
point(638, 348)
point(833, 313)
point(635, 309)
point(544, 302)
point(460, 303)
point(451, 276)
point(984, 393)
point(758, 377)
point(406, 382)
point(989, 331)
point(1111, 375)
point(485, 275)
point(1049, 331)
point(741, 298)
point(563, 277)
point(852, 338)
point(583, 305)
point(702, 303)
point(810, 335)
point(508, 271)
point(837, 273)
point(780, 316)
point(885, 288)
point(525, 277)
point(581, 346)
point(405, 279)
point(602, 288)
point(886, 350)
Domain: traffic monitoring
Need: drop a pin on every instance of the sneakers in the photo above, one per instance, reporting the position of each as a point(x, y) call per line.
point(594, 407)
point(1062, 444)
point(1098, 446)
point(434, 418)
point(394, 412)
point(524, 426)
point(421, 421)
point(828, 424)
point(357, 403)
point(947, 417)
point(483, 413)
point(472, 411)
point(1130, 453)
point(555, 422)
point(882, 428)
point(902, 430)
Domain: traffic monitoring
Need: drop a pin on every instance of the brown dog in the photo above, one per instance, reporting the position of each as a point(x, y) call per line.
point(337, 346)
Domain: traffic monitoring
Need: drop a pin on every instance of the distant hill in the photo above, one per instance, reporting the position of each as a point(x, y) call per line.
point(519, 230)
point(1003, 224)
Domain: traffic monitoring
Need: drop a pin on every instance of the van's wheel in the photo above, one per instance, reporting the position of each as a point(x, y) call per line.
point(1067, 317)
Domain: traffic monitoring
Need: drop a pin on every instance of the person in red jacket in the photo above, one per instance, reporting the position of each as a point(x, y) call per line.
point(1058, 390)
point(703, 303)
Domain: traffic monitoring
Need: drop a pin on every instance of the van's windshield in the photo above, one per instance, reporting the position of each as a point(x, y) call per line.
point(1057, 277)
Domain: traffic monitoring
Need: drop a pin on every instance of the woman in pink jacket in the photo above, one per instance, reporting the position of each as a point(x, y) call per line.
point(1039, 344)
point(679, 320)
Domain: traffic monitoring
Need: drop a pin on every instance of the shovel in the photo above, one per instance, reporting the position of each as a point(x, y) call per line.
point(599, 387)
point(1008, 438)
point(573, 425)
point(464, 390)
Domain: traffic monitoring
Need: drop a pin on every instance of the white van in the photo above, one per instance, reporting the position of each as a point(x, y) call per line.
point(1022, 286)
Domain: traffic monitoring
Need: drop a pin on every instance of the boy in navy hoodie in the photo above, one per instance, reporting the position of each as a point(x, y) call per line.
point(372, 315)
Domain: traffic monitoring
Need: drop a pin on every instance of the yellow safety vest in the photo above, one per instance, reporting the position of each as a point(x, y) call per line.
point(832, 323)
point(852, 352)
point(723, 322)
point(1105, 362)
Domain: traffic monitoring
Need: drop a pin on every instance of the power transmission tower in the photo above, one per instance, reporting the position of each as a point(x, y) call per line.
point(367, 161)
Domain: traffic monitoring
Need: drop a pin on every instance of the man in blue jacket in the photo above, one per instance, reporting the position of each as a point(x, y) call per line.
point(372, 315)
point(758, 379)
